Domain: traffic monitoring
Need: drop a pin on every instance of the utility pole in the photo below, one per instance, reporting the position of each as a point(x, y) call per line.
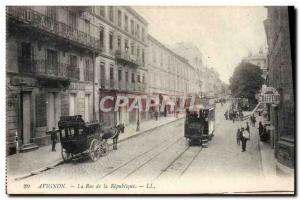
point(138, 120)
point(94, 96)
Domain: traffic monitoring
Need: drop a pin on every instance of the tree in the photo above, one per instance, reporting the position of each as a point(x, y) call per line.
point(246, 81)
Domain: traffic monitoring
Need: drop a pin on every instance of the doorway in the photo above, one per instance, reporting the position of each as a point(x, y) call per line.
point(72, 104)
point(52, 110)
point(26, 117)
point(87, 108)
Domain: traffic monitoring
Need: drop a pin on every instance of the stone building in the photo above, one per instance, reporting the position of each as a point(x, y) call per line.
point(50, 64)
point(207, 81)
point(169, 74)
point(120, 67)
point(191, 52)
point(260, 60)
point(212, 84)
point(280, 77)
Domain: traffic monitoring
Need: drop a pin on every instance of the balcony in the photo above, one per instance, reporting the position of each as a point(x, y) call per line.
point(140, 87)
point(122, 86)
point(43, 68)
point(126, 58)
point(108, 84)
point(37, 21)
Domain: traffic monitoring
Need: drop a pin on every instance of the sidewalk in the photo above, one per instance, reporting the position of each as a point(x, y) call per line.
point(268, 160)
point(26, 164)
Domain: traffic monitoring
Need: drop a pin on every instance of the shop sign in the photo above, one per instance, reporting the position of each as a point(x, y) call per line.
point(269, 96)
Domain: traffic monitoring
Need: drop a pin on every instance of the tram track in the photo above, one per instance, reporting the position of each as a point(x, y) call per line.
point(189, 164)
point(170, 165)
point(139, 156)
point(152, 158)
point(166, 139)
point(174, 162)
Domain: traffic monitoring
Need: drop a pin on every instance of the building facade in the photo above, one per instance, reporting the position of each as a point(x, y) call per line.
point(50, 71)
point(280, 77)
point(120, 67)
point(207, 80)
point(260, 60)
point(169, 73)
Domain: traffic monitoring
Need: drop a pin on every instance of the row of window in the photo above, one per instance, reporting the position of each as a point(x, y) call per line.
point(72, 19)
point(133, 49)
point(52, 60)
point(122, 75)
point(169, 61)
point(136, 29)
point(122, 44)
point(164, 82)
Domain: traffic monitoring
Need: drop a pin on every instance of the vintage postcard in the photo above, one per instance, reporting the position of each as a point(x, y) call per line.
point(150, 100)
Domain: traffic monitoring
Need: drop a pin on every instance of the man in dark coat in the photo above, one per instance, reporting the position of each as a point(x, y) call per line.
point(238, 136)
point(53, 138)
point(244, 138)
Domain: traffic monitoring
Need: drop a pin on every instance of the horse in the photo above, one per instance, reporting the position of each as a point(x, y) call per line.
point(114, 134)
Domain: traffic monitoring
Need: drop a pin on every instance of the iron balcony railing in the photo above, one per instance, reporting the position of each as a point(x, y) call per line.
point(122, 85)
point(48, 69)
point(127, 58)
point(42, 22)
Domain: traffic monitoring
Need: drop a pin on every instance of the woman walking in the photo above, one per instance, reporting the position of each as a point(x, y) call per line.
point(238, 136)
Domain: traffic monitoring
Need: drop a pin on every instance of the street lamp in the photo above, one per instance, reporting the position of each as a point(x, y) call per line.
point(138, 120)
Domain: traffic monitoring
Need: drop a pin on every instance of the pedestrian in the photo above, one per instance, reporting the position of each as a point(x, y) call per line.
point(254, 120)
point(238, 136)
point(53, 138)
point(265, 136)
point(248, 128)
point(226, 114)
point(242, 116)
point(233, 116)
point(156, 115)
point(244, 138)
point(260, 128)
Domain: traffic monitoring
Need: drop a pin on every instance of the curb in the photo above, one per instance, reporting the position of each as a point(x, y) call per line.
point(59, 162)
point(261, 157)
point(284, 170)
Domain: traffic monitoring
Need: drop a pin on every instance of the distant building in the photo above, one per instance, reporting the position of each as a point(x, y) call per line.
point(280, 77)
point(260, 60)
point(207, 80)
point(190, 52)
point(169, 73)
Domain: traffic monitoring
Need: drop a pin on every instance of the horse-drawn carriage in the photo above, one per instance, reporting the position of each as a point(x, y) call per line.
point(200, 124)
point(78, 138)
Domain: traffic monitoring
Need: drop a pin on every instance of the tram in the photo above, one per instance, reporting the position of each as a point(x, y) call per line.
point(199, 124)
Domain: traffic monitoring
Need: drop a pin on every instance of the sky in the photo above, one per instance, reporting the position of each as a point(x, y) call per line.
point(224, 35)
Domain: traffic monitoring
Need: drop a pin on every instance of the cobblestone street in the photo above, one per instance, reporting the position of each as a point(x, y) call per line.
point(163, 157)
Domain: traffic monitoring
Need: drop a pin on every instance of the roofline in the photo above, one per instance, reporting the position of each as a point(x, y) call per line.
point(136, 14)
point(150, 37)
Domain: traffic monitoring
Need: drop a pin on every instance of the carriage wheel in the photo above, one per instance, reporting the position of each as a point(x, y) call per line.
point(95, 150)
point(104, 148)
point(65, 155)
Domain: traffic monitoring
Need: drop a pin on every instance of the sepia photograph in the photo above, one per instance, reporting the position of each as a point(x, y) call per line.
point(150, 100)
